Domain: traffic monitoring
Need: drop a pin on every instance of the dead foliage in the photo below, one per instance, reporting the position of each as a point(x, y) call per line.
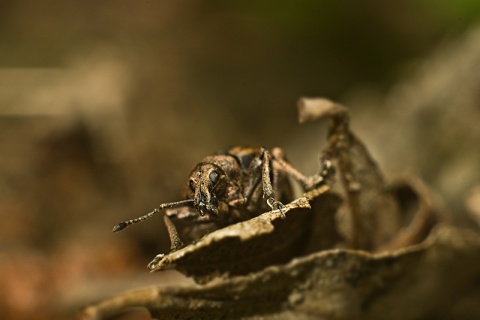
point(359, 248)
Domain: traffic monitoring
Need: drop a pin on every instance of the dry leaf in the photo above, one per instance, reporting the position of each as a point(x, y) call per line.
point(361, 250)
point(420, 281)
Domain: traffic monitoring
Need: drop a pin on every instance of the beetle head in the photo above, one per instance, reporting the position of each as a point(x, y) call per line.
point(206, 185)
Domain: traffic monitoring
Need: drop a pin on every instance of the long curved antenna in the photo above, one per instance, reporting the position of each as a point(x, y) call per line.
point(122, 225)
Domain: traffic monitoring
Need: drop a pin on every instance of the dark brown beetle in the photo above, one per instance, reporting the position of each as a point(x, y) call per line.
point(232, 186)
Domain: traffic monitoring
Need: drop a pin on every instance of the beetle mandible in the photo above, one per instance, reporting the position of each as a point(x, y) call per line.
point(232, 186)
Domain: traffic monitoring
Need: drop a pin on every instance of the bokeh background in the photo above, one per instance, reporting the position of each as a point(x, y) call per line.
point(106, 106)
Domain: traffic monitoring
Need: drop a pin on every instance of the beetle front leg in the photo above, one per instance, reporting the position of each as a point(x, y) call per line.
point(182, 213)
point(175, 242)
point(187, 214)
point(260, 170)
point(267, 184)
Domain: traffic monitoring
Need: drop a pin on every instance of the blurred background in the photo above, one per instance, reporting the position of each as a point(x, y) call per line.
point(106, 106)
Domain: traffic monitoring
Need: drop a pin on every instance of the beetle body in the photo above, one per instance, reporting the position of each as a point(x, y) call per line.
point(232, 186)
point(227, 188)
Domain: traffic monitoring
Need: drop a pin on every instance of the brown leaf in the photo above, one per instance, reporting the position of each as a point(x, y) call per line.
point(370, 216)
point(250, 245)
point(420, 281)
point(361, 250)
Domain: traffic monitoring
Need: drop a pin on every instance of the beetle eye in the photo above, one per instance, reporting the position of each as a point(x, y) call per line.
point(191, 184)
point(214, 176)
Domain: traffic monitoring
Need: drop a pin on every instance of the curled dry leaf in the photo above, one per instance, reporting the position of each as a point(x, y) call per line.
point(357, 249)
point(234, 249)
point(253, 244)
point(369, 218)
point(370, 215)
point(420, 281)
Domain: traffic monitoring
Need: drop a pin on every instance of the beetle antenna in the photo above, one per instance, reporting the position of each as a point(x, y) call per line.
point(122, 225)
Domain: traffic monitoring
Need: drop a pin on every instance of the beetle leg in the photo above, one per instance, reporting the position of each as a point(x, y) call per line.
point(267, 183)
point(255, 176)
point(260, 170)
point(308, 183)
point(175, 242)
point(268, 190)
point(182, 213)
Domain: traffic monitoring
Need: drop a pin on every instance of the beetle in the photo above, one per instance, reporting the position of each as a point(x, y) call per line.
point(232, 186)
